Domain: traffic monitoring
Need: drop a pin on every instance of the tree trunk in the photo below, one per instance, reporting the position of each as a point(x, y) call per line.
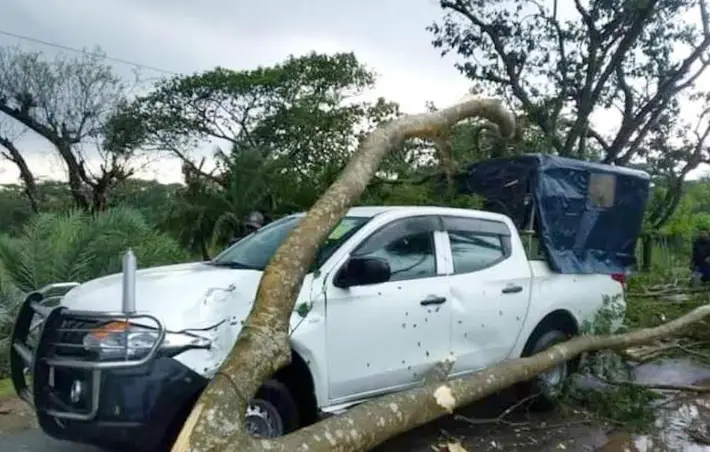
point(203, 248)
point(63, 144)
point(370, 424)
point(76, 175)
point(28, 179)
point(262, 346)
point(646, 252)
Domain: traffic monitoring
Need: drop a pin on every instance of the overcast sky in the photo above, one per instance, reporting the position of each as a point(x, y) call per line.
point(188, 35)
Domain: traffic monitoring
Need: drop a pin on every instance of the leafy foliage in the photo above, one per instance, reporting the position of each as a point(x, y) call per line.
point(635, 61)
point(303, 111)
point(10, 299)
point(624, 404)
point(76, 247)
point(290, 128)
point(66, 100)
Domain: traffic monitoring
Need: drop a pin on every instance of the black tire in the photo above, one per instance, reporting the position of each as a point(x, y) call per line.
point(277, 399)
point(541, 339)
point(272, 392)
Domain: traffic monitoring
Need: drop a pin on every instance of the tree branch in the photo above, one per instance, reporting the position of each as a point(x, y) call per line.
point(370, 424)
point(563, 66)
point(592, 90)
point(667, 88)
point(675, 191)
point(26, 175)
point(511, 70)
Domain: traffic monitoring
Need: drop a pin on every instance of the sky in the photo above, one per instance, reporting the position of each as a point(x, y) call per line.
point(184, 36)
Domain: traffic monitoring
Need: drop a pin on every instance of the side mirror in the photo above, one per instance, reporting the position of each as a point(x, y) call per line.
point(363, 271)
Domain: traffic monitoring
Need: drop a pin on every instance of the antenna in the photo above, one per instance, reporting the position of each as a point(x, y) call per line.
point(129, 282)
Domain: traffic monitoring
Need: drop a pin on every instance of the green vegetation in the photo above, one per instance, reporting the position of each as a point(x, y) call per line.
point(624, 405)
point(617, 399)
point(5, 388)
point(74, 246)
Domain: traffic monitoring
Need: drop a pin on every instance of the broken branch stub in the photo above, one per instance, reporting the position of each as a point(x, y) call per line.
point(262, 345)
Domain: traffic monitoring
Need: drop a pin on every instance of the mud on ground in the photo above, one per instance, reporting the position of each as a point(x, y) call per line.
point(15, 416)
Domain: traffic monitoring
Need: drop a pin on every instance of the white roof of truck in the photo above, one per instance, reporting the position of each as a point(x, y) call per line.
point(371, 211)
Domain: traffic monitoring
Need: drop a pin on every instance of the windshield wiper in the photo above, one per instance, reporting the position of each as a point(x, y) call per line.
point(233, 264)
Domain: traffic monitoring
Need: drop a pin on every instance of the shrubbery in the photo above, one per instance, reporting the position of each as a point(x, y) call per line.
point(74, 246)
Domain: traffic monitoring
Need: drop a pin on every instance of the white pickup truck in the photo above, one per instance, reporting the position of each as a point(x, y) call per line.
point(393, 291)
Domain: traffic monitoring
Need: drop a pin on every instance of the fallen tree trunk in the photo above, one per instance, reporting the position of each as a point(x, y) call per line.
point(370, 424)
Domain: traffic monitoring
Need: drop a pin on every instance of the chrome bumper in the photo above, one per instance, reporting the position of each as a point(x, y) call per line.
point(47, 345)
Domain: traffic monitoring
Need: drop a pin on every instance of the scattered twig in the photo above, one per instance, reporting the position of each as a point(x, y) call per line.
point(500, 419)
point(699, 433)
point(668, 292)
point(693, 352)
point(661, 386)
point(672, 398)
point(648, 353)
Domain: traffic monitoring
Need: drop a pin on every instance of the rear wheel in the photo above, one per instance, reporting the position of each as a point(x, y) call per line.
point(544, 389)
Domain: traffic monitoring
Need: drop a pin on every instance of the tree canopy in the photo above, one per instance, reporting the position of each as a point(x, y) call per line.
point(66, 101)
point(637, 61)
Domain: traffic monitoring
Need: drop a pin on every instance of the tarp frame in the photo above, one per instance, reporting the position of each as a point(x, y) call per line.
point(588, 216)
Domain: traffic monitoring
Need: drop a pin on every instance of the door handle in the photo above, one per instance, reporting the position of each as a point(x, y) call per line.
point(432, 300)
point(512, 289)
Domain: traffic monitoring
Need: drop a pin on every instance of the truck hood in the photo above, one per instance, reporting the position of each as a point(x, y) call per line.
point(183, 296)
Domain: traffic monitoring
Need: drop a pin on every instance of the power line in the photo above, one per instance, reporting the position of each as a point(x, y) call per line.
point(84, 52)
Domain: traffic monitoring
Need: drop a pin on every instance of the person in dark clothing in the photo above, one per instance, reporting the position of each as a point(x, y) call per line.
point(700, 263)
point(252, 223)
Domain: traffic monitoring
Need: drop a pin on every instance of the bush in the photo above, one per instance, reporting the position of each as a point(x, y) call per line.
point(74, 246)
point(77, 247)
point(10, 299)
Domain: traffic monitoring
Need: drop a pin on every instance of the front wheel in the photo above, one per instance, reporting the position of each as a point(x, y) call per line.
point(548, 385)
point(273, 411)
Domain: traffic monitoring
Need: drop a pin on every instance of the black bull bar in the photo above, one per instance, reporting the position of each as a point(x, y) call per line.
point(47, 346)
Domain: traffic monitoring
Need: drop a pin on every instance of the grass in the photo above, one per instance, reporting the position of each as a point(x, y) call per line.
point(649, 312)
point(6, 388)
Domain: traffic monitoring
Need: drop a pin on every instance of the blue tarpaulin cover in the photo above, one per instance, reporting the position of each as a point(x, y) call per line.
point(588, 215)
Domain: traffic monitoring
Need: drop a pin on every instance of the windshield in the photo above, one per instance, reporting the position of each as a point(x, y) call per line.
point(255, 250)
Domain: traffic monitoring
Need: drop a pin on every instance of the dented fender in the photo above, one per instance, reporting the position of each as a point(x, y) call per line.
point(226, 309)
point(197, 298)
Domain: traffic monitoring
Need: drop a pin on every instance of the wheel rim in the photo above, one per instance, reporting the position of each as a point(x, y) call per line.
point(262, 420)
point(552, 380)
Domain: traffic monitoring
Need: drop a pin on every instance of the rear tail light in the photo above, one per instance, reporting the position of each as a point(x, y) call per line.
point(620, 278)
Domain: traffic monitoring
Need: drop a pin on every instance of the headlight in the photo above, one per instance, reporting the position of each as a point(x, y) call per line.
point(123, 340)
